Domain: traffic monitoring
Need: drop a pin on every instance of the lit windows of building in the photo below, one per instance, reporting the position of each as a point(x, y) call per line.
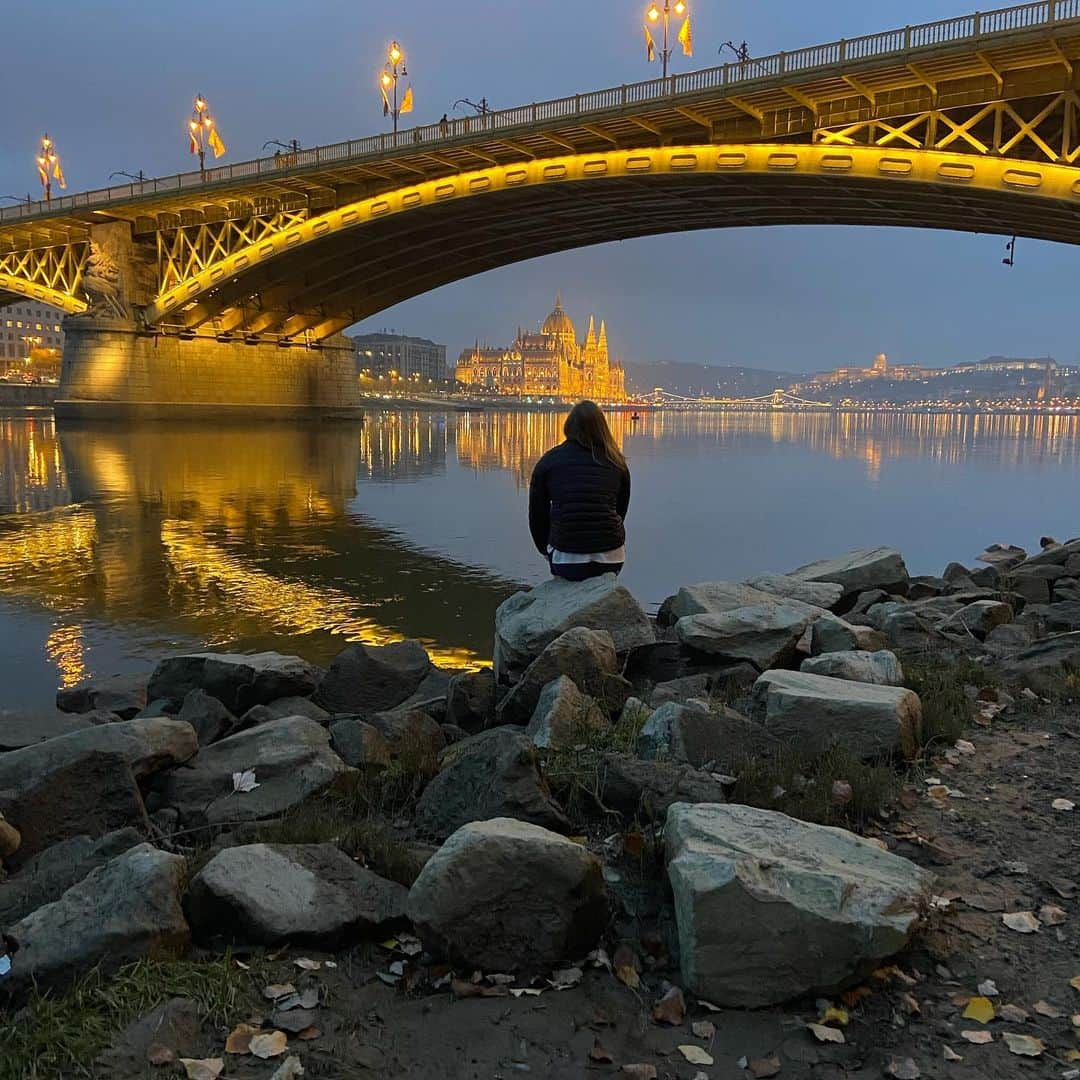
point(395, 354)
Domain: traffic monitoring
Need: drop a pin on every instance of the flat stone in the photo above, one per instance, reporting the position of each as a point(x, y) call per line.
point(978, 618)
point(304, 893)
point(359, 744)
point(919, 588)
point(495, 774)
point(1002, 556)
point(814, 713)
point(1034, 588)
point(906, 631)
point(289, 706)
point(1062, 617)
point(769, 908)
point(681, 690)
point(857, 571)
point(528, 622)
point(881, 668)
point(830, 633)
point(722, 738)
point(365, 679)
point(1042, 666)
point(291, 759)
point(125, 910)
point(645, 789)
point(50, 873)
point(586, 656)
point(124, 695)
point(721, 597)
point(237, 681)
point(210, 719)
point(1054, 555)
point(822, 594)
point(1007, 639)
point(564, 716)
point(21, 727)
point(504, 895)
point(470, 700)
point(764, 636)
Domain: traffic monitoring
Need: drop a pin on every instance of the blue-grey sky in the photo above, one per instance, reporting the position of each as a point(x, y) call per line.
point(113, 81)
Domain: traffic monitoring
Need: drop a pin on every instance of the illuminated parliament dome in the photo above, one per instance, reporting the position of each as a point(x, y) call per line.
point(551, 363)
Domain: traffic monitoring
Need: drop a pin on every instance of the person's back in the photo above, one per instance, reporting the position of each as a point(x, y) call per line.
point(578, 499)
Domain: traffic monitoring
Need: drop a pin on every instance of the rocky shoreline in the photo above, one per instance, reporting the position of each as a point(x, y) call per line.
point(652, 802)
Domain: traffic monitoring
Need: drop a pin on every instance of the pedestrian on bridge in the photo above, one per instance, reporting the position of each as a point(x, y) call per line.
point(578, 499)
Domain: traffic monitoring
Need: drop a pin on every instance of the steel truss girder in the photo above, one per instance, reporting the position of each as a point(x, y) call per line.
point(187, 250)
point(50, 274)
point(997, 128)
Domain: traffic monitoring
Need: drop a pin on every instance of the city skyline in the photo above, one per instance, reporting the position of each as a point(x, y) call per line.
point(799, 299)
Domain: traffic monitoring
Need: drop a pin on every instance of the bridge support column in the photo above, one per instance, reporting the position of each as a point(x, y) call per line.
point(112, 369)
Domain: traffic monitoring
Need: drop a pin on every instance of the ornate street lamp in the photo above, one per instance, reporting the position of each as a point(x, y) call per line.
point(49, 168)
point(202, 134)
point(653, 15)
point(388, 82)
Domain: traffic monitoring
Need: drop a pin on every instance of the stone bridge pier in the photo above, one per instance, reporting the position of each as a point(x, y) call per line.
point(116, 366)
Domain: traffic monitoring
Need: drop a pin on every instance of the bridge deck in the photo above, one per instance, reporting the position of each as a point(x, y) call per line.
point(1021, 51)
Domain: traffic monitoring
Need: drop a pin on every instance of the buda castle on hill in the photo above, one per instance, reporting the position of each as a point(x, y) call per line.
point(551, 363)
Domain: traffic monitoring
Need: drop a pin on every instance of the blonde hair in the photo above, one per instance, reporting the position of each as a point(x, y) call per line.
point(586, 425)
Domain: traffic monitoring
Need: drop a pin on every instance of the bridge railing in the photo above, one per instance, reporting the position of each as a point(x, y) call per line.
point(732, 77)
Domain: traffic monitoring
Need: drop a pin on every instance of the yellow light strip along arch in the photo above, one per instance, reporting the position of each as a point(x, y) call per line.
point(1024, 179)
point(33, 291)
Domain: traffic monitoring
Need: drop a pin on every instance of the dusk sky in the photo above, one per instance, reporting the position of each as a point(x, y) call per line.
point(113, 81)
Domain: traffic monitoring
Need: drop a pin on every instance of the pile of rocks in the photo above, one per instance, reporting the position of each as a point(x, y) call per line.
point(101, 800)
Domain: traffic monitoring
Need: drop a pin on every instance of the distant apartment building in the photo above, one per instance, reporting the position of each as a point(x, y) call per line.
point(28, 325)
point(380, 355)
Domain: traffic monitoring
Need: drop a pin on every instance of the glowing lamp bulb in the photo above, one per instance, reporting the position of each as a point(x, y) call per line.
point(386, 80)
point(395, 53)
point(680, 7)
point(653, 14)
point(200, 104)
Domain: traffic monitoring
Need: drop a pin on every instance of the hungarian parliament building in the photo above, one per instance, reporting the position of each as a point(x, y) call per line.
point(552, 363)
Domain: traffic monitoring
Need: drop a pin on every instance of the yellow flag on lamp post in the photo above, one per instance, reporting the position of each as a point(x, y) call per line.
point(686, 38)
point(407, 102)
point(216, 143)
point(650, 45)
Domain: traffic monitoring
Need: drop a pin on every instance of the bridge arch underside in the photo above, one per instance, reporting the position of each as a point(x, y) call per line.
point(415, 243)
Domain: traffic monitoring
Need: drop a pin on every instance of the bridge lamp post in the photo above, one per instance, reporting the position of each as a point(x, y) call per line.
point(654, 14)
point(395, 69)
point(202, 133)
point(49, 168)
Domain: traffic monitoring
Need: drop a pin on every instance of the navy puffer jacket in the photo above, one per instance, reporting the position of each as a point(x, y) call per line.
point(577, 503)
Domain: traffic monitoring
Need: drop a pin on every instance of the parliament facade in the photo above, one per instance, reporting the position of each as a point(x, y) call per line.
point(552, 363)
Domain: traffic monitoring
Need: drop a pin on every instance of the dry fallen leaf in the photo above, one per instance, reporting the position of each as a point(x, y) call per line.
point(239, 1040)
point(627, 966)
point(1075, 983)
point(851, 998)
point(695, 1055)
point(1051, 915)
point(708, 1006)
point(1063, 805)
point(951, 1054)
point(278, 990)
point(640, 1072)
point(1044, 1008)
point(904, 1070)
point(703, 1029)
point(304, 964)
point(826, 1034)
point(565, 978)
point(910, 1005)
point(835, 1015)
point(202, 1068)
point(1075, 1020)
point(600, 1053)
point(244, 781)
point(977, 1037)
point(981, 1009)
point(157, 1054)
point(671, 1008)
point(842, 793)
point(525, 991)
point(633, 844)
point(272, 1044)
point(1013, 1014)
point(289, 1069)
point(309, 1033)
point(764, 1068)
point(1023, 922)
point(988, 988)
point(1024, 1045)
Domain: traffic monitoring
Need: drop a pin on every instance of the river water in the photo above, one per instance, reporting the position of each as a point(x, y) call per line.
point(121, 544)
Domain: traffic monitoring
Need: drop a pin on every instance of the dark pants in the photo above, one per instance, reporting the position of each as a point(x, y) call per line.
point(583, 571)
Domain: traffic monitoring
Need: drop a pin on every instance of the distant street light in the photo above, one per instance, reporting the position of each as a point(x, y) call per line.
point(131, 176)
point(393, 71)
point(18, 198)
point(202, 134)
point(49, 167)
point(653, 15)
point(482, 109)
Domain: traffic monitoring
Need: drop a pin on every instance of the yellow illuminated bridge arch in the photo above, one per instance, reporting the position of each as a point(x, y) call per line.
point(327, 272)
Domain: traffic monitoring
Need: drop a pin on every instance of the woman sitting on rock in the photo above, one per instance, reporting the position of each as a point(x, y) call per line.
point(578, 498)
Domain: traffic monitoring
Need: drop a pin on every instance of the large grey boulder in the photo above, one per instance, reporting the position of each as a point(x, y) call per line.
point(210, 719)
point(91, 795)
point(359, 744)
point(507, 896)
point(564, 716)
point(858, 571)
point(978, 618)
point(720, 597)
point(881, 668)
point(411, 733)
point(682, 690)
point(720, 738)
point(289, 706)
point(20, 727)
point(291, 759)
point(769, 908)
point(495, 774)
point(762, 635)
point(527, 622)
point(1061, 617)
point(830, 633)
point(822, 594)
point(1008, 639)
point(1041, 667)
point(586, 656)
point(1032, 586)
point(49, 874)
point(237, 681)
point(814, 713)
point(121, 912)
point(373, 678)
point(309, 893)
point(646, 789)
point(124, 695)
point(470, 700)
point(1053, 555)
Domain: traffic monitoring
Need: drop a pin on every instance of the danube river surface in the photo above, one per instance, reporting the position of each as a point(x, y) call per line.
point(121, 544)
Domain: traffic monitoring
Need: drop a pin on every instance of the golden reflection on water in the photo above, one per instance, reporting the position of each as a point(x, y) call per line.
point(64, 647)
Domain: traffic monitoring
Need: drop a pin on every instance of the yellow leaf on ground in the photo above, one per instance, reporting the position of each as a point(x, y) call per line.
point(202, 1068)
point(835, 1015)
point(826, 1034)
point(1024, 1045)
point(977, 1037)
point(272, 1044)
point(695, 1055)
point(628, 976)
point(981, 1009)
point(671, 1008)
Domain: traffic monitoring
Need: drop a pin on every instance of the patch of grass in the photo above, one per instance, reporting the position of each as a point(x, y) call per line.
point(946, 707)
point(801, 786)
point(60, 1036)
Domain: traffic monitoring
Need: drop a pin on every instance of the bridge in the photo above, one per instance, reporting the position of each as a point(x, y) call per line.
point(778, 400)
point(231, 286)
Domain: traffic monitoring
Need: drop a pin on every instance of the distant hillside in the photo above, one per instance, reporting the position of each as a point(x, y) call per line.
point(695, 379)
